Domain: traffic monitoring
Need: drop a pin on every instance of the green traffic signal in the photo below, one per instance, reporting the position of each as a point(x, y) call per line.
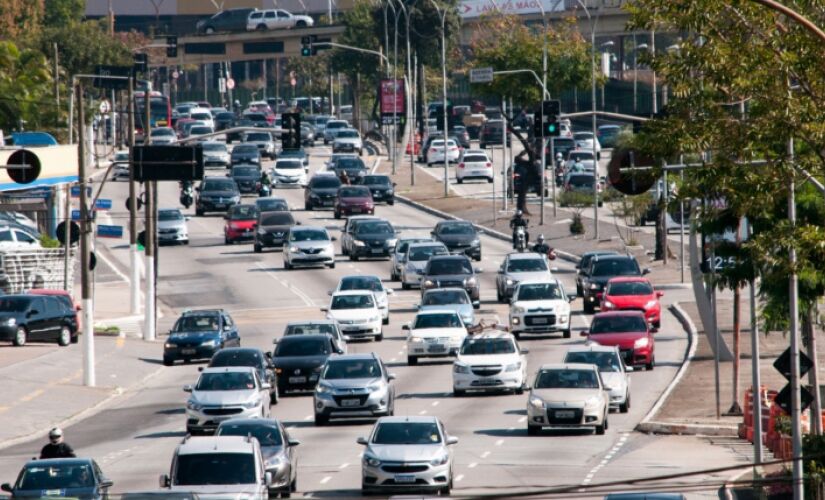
point(306, 51)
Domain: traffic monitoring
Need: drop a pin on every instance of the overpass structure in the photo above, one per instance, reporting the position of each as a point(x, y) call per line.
point(244, 46)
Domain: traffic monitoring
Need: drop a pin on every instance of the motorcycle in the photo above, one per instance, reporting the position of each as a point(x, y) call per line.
point(264, 190)
point(521, 239)
point(187, 196)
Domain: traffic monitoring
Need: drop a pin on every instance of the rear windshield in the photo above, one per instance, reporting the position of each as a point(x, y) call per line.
point(376, 180)
point(245, 148)
point(310, 329)
point(258, 136)
point(245, 171)
point(424, 253)
point(215, 468)
point(475, 158)
point(271, 205)
point(618, 324)
point(347, 134)
point(284, 219)
point(615, 267)
point(630, 288)
point(581, 180)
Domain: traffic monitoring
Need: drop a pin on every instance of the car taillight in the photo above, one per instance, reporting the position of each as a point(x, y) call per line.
point(432, 150)
point(461, 165)
point(453, 148)
point(488, 165)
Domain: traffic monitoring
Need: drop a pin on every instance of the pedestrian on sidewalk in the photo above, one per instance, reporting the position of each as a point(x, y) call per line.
point(57, 447)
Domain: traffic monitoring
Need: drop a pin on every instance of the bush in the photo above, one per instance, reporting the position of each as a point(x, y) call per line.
point(576, 227)
point(48, 242)
point(575, 199)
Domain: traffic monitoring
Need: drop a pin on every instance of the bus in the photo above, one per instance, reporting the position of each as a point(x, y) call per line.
point(160, 112)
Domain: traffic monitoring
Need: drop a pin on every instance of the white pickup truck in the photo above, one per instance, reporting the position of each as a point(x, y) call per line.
point(272, 19)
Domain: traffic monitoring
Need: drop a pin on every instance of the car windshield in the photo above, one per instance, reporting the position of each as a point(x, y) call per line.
point(283, 219)
point(310, 329)
point(336, 124)
point(449, 266)
point(197, 324)
point(236, 358)
point(257, 117)
point(526, 265)
point(214, 147)
point(424, 253)
point(271, 205)
point(258, 136)
point(615, 267)
point(376, 180)
point(466, 229)
point(403, 245)
point(630, 288)
point(245, 172)
point(445, 297)
point(352, 368)
point(302, 346)
point(167, 215)
point(581, 156)
point(225, 116)
point(243, 212)
point(200, 130)
point(354, 192)
point(567, 379)
point(581, 180)
point(329, 182)
point(352, 302)
point(195, 469)
point(309, 235)
point(442, 320)
point(226, 381)
point(473, 346)
point(618, 324)
point(583, 136)
point(376, 227)
point(201, 116)
point(475, 159)
point(289, 165)
point(218, 185)
point(350, 163)
point(245, 149)
point(587, 258)
point(121, 156)
point(371, 283)
point(347, 134)
point(606, 361)
point(56, 477)
point(162, 131)
point(539, 291)
point(266, 434)
point(412, 433)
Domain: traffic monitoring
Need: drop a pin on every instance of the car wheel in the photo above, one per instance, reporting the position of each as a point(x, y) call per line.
point(20, 336)
point(379, 337)
point(337, 214)
point(385, 321)
point(601, 428)
point(274, 396)
point(168, 361)
point(198, 212)
point(391, 202)
point(520, 390)
point(412, 360)
point(293, 486)
point(588, 308)
point(331, 266)
point(257, 248)
point(516, 335)
point(353, 257)
point(261, 27)
point(321, 420)
point(566, 333)
point(65, 337)
point(405, 286)
point(458, 392)
point(624, 407)
point(287, 265)
point(489, 180)
point(459, 180)
point(649, 366)
point(533, 430)
point(499, 296)
point(307, 206)
point(657, 324)
point(477, 258)
point(579, 291)
point(226, 240)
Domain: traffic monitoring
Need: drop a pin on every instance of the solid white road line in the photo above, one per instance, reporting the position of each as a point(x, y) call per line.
point(485, 454)
point(472, 465)
point(326, 479)
point(459, 477)
point(289, 286)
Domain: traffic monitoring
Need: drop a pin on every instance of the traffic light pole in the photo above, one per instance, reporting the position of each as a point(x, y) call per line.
point(134, 285)
point(149, 310)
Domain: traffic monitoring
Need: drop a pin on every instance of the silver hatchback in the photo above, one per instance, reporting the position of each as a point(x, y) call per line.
point(353, 386)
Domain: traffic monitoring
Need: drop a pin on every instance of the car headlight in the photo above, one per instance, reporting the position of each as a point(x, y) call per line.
point(509, 282)
point(562, 318)
point(375, 387)
point(516, 320)
point(323, 389)
point(274, 461)
point(475, 243)
point(294, 249)
point(459, 368)
point(252, 404)
point(513, 367)
point(428, 283)
point(169, 345)
point(611, 305)
point(391, 242)
point(642, 342)
point(592, 402)
point(318, 368)
point(193, 405)
point(209, 343)
point(651, 304)
point(374, 318)
point(314, 196)
point(11, 321)
point(371, 461)
point(595, 286)
point(236, 198)
point(470, 282)
point(536, 403)
point(414, 339)
point(518, 310)
point(358, 243)
point(440, 460)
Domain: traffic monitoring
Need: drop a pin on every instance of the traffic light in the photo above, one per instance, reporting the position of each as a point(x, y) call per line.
point(547, 124)
point(171, 46)
point(141, 63)
point(291, 134)
point(307, 48)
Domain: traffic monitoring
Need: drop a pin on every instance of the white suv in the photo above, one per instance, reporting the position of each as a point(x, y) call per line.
point(474, 164)
point(218, 467)
point(540, 307)
point(490, 362)
point(357, 314)
point(224, 393)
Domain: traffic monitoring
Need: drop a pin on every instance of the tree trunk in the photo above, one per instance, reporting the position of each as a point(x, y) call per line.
point(356, 103)
point(735, 408)
point(813, 375)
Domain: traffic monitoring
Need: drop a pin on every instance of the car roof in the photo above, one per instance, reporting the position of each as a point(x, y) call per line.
point(475, 152)
point(352, 292)
point(448, 257)
point(265, 198)
point(355, 355)
point(627, 312)
point(429, 243)
point(524, 256)
point(228, 369)
point(591, 253)
point(593, 347)
point(297, 229)
point(541, 281)
point(445, 289)
point(48, 291)
point(492, 334)
point(435, 311)
point(454, 223)
point(567, 366)
point(311, 322)
point(600, 258)
point(58, 461)
point(230, 350)
point(217, 444)
point(304, 338)
point(202, 312)
point(410, 418)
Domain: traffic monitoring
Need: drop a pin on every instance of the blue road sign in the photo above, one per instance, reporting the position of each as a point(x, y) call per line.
point(76, 214)
point(103, 204)
point(76, 191)
point(104, 231)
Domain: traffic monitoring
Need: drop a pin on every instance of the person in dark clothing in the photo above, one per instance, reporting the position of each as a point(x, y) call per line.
point(541, 247)
point(519, 221)
point(57, 448)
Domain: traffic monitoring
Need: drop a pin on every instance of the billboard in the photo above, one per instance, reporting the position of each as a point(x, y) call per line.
point(469, 9)
point(392, 97)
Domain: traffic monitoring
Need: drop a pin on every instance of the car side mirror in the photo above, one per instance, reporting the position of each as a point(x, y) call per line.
point(268, 354)
point(390, 291)
point(324, 309)
point(584, 333)
point(476, 304)
point(298, 223)
point(478, 270)
point(268, 478)
point(6, 487)
point(451, 440)
point(187, 217)
point(198, 189)
point(200, 368)
point(293, 442)
point(525, 351)
point(329, 292)
point(362, 441)
point(628, 369)
point(163, 480)
point(660, 294)
point(607, 389)
point(106, 483)
point(405, 327)
point(78, 308)
point(187, 388)
point(646, 271)
point(417, 306)
point(391, 376)
point(333, 238)
point(571, 298)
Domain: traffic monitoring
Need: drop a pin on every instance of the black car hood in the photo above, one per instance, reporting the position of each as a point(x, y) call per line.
point(448, 277)
point(246, 177)
point(375, 237)
point(292, 362)
point(222, 194)
point(602, 280)
point(276, 228)
point(452, 239)
point(325, 191)
point(379, 187)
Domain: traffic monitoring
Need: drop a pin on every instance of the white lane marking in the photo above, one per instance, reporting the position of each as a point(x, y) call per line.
point(289, 286)
point(522, 420)
point(472, 465)
point(435, 403)
point(326, 479)
point(485, 454)
point(499, 442)
point(344, 465)
point(459, 477)
point(607, 457)
point(392, 360)
point(308, 417)
point(422, 412)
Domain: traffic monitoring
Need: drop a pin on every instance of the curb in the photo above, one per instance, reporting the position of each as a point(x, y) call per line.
point(482, 229)
point(686, 429)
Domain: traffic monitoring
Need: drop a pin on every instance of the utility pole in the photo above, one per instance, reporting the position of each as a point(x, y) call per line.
point(796, 424)
point(56, 78)
point(134, 283)
point(756, 379)
point(85, 232)
point(149, 309)
point(67, 247)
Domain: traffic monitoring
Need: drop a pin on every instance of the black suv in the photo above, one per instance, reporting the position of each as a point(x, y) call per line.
point(252, 357)
point(245, 153)
point(321, 191)
point(452, 271)
point(226, 20)
point(44, 318)
point(583, 267)
point(373, 238)
point(381, 187)
point(353, 166)
point(216, 194)
point(602, 269)
point(298, 359)
point(459, 237)
point(247, 177)
point(272, 228)
point(492, 134)
point(199, 335)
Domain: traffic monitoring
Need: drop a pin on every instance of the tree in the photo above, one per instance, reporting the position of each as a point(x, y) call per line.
point(82, 46)
point(20, 18)
point(63, 12)
point(312, 73)
point(25, 89)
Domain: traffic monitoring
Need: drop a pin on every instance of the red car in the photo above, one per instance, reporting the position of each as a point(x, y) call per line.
point(629, 331)
point(240, 224)
point(70, 302)
point(636, 294)
point(354, 200)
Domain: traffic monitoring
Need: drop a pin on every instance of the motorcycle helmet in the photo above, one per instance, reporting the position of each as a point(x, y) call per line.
point(541, 238)
point(55, 434)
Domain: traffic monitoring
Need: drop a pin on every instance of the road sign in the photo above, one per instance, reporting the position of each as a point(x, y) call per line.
point(783, 363)
point(74, 233)
point(104, 107)
point(222, 85)
point(481, 75)
point(75, 191)
point(230, 83)
point(76, 214)
point(783, 398)
point(388, 119)
point(103, 204)
point(168, 163)
point(104, 70)
point(104, 231)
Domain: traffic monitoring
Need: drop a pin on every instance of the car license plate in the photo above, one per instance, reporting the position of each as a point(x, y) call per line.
point(327, 203)
point(356, 210)
point(438, 348)
point(187, 351)
point(350, 402)
point(404, 478)
point(377, 250)
point(297, 380)
point(539, 321)
point(565, 414)
point(220, 205)
point(487, 381)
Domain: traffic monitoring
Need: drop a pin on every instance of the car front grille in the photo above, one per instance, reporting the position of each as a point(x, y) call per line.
point(450, 284)
point(486, 371)
point(362, 398)
point(312, 251)
point(221, 411)
point(404, 468)
point(541, 319)
point(576, 417)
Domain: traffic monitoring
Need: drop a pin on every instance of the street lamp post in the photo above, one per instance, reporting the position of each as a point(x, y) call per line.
point(443, 14)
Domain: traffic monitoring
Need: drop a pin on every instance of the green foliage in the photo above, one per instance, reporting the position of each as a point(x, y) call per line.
point(575, 199)
point(312, 73)
point(63, 12)
point(360, 32)
point(25, 87)
point(82, 46)
point(576, 226)
point(47, 242)
point(20, 19)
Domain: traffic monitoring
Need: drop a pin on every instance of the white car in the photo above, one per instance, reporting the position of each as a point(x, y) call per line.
point(474, 164)
point(584, 140)
point(614, 373)
point(415, 260)
point(407, 453)
point(308, 246)
point(368, 283)
point(583, 156)
point(120, 165)
point(271, 19)
point(203, 115)
point(436, 152)
point(567, 396)
point(13, 238)
point(163, 136)
point(434, 334)
point(348, 141)
point(491, 361)
point(540, 307)
point(288, 173)
point(356, 313)
point(224, 393)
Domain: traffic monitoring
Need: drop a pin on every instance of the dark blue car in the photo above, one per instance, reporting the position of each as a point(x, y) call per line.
point(60, 477)
point(199, 335)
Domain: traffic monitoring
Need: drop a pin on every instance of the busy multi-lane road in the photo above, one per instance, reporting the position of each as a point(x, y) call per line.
point(134, 440)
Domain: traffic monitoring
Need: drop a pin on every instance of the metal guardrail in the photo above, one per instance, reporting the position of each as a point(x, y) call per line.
point(21, 270)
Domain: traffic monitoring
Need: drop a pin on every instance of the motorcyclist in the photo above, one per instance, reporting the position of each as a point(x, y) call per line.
point(266, 181)
point(543, 248)
point(57, 447)
point(344, 177)
point(519, 221)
